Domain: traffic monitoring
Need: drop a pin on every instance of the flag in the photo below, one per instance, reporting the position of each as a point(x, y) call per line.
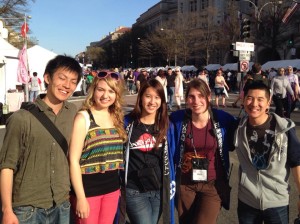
point(22, 67)
point(291, 10)
point(24, 29)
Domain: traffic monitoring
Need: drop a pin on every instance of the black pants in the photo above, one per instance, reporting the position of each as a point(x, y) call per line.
point(280, 106)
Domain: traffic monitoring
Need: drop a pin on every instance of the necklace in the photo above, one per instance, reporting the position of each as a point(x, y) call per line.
point(147, 126)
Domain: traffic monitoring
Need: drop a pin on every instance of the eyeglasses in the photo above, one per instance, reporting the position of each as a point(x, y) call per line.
point(177, 71)
point(104, 74)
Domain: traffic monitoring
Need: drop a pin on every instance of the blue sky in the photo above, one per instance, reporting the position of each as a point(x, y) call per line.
point(68, 26)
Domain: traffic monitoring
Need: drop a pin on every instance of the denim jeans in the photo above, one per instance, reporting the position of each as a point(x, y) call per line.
point(33, 95)
point(170, 97)
point(143, 208)
point(31, 215)
point(250, 215)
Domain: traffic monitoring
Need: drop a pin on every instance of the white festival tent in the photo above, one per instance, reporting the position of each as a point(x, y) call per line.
point(8, 67)
point(281, 64)
point(188, 68)
point(213, 67)
point(38, 58)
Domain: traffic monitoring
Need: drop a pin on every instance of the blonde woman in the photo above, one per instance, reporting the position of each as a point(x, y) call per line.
point(96, 151)
point(220, 85)
point(178, 88)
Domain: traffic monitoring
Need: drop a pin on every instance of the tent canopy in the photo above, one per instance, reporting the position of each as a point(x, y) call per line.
point(212, 67)
point(38, 57)
point(7, 49)
point(188, 68)
point(281, 64)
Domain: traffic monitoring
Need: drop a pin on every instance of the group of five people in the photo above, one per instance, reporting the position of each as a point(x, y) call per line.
point(145, 163)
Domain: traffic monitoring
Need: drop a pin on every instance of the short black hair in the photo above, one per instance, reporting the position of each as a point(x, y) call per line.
point(62, 61)
point(259, 84)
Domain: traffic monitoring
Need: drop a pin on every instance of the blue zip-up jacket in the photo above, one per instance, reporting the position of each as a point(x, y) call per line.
point(227, 124)
point(171, 152)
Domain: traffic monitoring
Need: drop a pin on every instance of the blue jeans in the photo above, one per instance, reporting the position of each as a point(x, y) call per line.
point(32, 215)
point(250, 215)
point(143, 208)
point(33, 95)
point(171, 91)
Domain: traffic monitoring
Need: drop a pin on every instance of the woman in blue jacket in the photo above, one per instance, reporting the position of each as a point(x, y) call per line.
point(149, 170)
point(203, 138)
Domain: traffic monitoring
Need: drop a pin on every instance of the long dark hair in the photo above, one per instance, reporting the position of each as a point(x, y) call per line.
point(161, 118)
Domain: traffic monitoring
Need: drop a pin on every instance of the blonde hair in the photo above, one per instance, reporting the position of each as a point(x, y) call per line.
point(116, 108)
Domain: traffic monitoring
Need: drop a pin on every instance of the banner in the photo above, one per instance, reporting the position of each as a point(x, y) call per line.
point(24, 29)
point(291, 10)
point(22, 68)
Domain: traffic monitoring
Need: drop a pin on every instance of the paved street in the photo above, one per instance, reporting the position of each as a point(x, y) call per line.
point(230, 216)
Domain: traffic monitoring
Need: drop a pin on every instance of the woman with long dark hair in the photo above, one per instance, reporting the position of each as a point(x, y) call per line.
point(149, 171)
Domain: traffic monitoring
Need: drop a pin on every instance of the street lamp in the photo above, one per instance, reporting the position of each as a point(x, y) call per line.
point(259, 10)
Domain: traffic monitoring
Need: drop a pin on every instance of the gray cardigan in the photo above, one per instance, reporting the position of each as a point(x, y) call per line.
point(280, 85)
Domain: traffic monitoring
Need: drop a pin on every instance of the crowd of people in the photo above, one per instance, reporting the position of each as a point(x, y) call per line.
point(99, 165)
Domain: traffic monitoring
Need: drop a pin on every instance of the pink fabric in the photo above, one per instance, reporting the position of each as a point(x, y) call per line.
point(22, 75)
point(102, 208)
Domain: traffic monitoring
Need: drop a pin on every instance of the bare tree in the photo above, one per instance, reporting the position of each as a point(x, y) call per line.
point(11, 10)
point(96, 55)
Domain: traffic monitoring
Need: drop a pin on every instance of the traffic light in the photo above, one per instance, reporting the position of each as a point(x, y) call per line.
point(245, 28)
point(290, 41)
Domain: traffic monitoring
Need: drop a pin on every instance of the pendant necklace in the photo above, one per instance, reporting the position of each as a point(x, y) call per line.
point(146, 127)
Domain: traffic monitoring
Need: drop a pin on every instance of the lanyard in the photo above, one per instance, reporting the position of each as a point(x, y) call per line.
point(191, 136)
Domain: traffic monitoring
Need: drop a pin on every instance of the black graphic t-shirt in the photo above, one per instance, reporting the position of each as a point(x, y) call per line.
point(260, 140)
point(141, 153)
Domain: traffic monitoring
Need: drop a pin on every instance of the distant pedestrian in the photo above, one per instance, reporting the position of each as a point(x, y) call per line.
point(131, 80)
point(294, 82)
point(220, 85)
point(35, 86)
point(178, 87)
point(170, 87)
point(280, 86)
point(161, 77)
point(35, 180)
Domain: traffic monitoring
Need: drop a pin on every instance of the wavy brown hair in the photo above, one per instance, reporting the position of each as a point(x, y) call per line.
point(161, 118)
point(115, 109)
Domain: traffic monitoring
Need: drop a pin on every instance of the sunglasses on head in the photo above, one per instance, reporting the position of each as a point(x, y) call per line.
point(104, 74)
